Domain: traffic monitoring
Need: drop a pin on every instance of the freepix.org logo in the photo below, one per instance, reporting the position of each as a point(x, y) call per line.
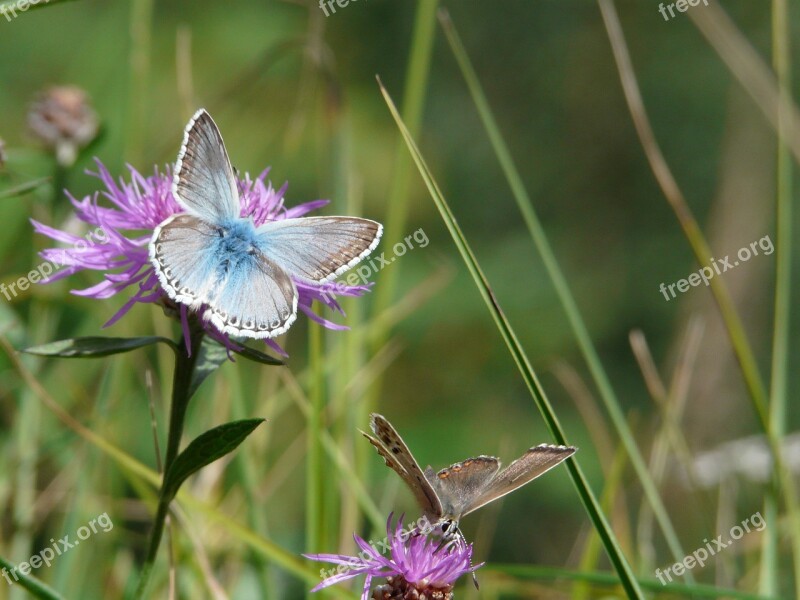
point(718, 544)
point(720, 266)
point(361, 275)
point(9, 11)
point(46, 556)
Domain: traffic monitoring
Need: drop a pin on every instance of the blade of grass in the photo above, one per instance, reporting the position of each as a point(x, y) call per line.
point(674, 196)
point(591, 504)
point(141, 30)
point(781, 60)
point(696, 590)
point(416, 85)
point(346, 472)
point(613, 489)
point(315, 454)
point(746, 65)
point(697, 241)
point(565, 296)
point(24, 188)
point(30, 583)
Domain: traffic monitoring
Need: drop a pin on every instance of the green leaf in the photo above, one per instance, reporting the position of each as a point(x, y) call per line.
point(258, 356)
point(209, 359)
point(213, 354)
point(23, 188)
point(92, 347)
point(205, 449)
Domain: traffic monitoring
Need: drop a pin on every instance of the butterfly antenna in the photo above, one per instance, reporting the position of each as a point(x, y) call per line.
point(459, 537)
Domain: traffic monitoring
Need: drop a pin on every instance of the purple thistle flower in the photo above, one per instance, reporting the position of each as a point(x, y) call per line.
point(118, 244)
point(419, 566)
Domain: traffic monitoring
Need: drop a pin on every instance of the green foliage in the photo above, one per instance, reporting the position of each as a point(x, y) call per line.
point(542, 123)
point(205, 449)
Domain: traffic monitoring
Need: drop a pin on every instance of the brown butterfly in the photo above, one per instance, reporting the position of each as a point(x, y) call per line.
point(463, 487)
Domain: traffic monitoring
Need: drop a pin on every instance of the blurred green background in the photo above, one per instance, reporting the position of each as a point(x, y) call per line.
point(295, 90)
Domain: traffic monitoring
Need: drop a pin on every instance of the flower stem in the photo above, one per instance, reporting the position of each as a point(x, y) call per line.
point(185, 363)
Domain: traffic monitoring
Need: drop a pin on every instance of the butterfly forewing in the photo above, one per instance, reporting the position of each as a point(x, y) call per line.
point(318, 249)
point(204, 183)
point(535, 462)
point(458, 484)
point(394, 451)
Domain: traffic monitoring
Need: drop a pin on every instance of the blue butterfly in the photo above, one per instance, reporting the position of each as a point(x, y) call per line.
point(242, 276)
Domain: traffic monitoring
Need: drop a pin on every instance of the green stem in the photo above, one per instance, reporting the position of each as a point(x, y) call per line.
point(315, 459)
point(181, 383)
point(30, 583)
point(768, 584)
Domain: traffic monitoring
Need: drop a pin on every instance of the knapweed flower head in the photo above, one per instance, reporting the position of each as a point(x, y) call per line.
point(122, 218)
point(419, 565)
point(63, 119)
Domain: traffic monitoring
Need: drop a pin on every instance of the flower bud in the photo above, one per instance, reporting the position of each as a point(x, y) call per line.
point(63, 119)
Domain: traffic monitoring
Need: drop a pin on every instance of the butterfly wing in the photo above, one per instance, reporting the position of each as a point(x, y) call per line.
point(460, 483)
point(257, 299)
point(536, 461)
point(244, 295)
point(394, 451)
point(319, 249)
point(204, 183)
point(182, 252)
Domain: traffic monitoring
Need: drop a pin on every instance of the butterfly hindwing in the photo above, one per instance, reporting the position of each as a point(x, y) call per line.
point(394, 451)
point(535, 462)
point(256, 299)
point(318, 249)
point(183, 254)
point(459, 483)
point(204, 183)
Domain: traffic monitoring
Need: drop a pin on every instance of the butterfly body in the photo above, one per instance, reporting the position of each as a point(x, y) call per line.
point(240, 274)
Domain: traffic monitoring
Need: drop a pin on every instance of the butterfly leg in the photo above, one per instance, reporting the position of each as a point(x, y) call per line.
point(452, 536)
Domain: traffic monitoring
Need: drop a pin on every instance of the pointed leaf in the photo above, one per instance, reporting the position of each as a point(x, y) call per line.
point(23, 188)
point(258, 356)
point(205, 449)
point(92, 347)
point(209, 359)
